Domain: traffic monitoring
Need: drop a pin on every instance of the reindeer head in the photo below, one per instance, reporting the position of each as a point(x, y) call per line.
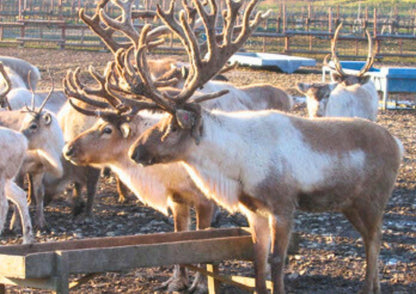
point(129, 86)
point(170, 138)
point(348, 79)
point(317, 95)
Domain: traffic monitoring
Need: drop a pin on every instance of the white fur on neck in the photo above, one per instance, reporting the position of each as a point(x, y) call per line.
point(141, 181)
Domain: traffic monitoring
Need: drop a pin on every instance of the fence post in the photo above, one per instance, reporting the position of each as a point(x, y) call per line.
point(378, 41)
point(329, 20)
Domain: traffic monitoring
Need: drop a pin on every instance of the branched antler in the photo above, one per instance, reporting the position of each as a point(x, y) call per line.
point(8, 86)
point(370, 57)
point(116, 105)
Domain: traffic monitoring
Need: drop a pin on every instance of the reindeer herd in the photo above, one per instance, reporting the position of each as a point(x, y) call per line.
point(180, 139)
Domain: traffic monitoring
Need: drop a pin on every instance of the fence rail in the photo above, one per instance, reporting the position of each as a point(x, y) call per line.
point(285, 32)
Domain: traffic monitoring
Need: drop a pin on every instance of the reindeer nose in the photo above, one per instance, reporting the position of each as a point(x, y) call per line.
point(139, 154)
point(68, 150)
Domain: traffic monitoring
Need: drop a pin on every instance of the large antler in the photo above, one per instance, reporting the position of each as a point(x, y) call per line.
point(370, 57)
point(202, 68)
point(3, 94)
point(105, 26)
point(117, 103)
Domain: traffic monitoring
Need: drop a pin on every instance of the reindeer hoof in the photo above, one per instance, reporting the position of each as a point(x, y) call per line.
point(78, 209)
point(174, 284)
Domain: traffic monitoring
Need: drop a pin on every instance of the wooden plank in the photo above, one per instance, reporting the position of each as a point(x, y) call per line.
point(122, 241)
point(213, 284)
point(28, 39)
point(13, 266)
point(250, 282)
point(61, 272)
point(120, 253)
point(224, 279)
point(47, 283)
point(122, 258)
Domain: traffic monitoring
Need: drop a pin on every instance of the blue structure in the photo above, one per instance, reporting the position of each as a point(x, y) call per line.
point(285, 63)
point(386, 79)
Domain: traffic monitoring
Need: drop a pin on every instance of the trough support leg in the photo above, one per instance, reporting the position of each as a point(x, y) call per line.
point(2, 289)
point(213, 284)
point(61, 272)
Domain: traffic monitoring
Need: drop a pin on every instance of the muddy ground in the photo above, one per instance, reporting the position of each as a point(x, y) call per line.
point(331, 255)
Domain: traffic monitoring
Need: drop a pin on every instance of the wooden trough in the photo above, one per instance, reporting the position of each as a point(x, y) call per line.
point(48, 265)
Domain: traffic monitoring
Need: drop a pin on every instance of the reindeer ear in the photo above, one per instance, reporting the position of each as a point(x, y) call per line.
point(186, 119)
point(303, 88)
point(125, 130)
point(364, 79)
point(47, 118)
point(336, 77)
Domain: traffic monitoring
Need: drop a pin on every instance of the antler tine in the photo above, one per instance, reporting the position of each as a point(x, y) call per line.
point(125, 25)
point(73, 88)
point(49, 94)
point(104, 32)
point(32, 100)
point(105, 114)
point(3, 95)
point(202, 70)
point(370, 58)
point(337, 64)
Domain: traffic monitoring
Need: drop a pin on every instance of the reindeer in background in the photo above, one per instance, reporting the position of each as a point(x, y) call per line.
point(349, 96)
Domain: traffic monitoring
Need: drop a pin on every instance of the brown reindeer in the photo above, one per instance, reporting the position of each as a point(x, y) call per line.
point(266, 164)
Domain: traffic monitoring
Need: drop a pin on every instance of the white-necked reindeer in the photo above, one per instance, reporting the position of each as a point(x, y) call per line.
point(349, 96)
point(13, 149)
point(267, 164)
point(107, 144)
point(45, 145)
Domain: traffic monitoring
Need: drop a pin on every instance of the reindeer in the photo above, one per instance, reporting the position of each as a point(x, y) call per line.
point(45, 145)
point(73, 122)
point(267, 164)
point(350, 95)
point(13, 148)
point(22, 74)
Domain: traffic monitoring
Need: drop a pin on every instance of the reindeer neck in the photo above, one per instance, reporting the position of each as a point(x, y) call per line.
point(144, 182)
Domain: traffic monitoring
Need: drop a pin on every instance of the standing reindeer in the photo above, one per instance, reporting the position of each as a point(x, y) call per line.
point(267, 164)
point(45, 145)
point(350, 95)
point(13, 149)
point(107, 144)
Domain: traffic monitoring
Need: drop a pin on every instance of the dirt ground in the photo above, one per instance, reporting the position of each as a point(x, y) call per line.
point(331, 256)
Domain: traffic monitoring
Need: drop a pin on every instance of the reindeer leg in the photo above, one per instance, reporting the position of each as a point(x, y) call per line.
point(179, 280)
point(281, 230)
point(77, 202)
point(37, 188)
point(92, 180)
point(260, 233)
point(122, 190)
point(368, 224)
point(204, 214)
point(4, 205)
point(18, 196)
point(19, 180)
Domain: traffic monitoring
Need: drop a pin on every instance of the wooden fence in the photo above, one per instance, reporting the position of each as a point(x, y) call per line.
point(285, 32)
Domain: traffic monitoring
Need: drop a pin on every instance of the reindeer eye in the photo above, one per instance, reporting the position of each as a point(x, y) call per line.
point(107, 131)
point(33, 126)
